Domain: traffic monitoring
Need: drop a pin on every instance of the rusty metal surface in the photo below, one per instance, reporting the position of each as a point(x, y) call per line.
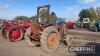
point(62, 29)
point(35, 28)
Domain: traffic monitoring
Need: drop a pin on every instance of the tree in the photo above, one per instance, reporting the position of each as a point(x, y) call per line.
point(33, 17)
point(53, 15)
point(21, 18)
point(90, 13)
point(93, 13)
point(85, 13)
point(98, 11)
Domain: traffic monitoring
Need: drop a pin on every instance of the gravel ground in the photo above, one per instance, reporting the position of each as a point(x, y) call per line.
point(20, 48)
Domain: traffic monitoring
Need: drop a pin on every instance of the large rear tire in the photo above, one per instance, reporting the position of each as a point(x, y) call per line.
point(15, 34)
point(50, 39)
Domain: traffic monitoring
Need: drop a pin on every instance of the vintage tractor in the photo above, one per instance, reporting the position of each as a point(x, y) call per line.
point(14, 29)
point(45, 32)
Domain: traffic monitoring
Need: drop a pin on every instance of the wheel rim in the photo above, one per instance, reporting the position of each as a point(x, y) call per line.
point(15, 34)
point(52, 40)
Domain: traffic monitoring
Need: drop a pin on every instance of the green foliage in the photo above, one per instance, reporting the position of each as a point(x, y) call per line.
point(84, 14)
point(21, 18)
point(90, 13)
point(33, 17)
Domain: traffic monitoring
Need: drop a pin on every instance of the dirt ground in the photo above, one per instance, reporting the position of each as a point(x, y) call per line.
point(20, 48)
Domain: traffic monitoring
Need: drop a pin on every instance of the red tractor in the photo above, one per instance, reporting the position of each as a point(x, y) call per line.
point(43, 31)
point(14, 29)
point(70, 24)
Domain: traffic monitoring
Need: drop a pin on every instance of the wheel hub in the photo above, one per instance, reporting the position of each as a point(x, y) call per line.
point(52, 40)
point(16, 34)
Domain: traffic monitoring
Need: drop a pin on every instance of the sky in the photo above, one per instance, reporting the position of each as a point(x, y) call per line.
point(68, 9)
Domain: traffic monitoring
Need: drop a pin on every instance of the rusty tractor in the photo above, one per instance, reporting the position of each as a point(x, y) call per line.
point(45, 32)
point(14, 29)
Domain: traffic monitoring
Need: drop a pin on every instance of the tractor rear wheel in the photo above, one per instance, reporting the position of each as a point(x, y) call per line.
point(15, 34)
point(50, 39)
